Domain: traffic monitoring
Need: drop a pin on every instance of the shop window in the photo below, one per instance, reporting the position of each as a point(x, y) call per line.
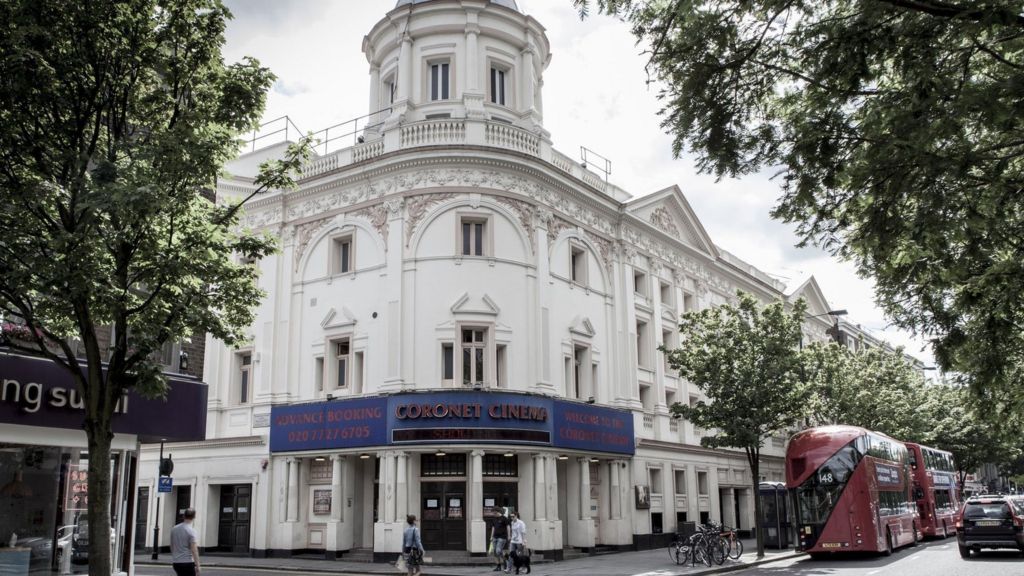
point(440, 84)
point(656, 527)
point(500, 465)
point(321, 470)
point(680, 482)
point(447, 465)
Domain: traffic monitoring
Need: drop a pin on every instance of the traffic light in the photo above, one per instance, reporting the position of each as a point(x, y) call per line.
point(166, 466)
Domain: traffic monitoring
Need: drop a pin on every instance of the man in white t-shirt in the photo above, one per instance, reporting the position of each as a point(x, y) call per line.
point(517, 538)
point(185, 546)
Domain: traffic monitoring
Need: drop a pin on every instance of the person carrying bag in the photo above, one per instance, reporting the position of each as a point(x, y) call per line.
point(412, 548)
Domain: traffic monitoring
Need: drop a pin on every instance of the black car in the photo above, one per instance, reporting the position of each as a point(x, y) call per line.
point(990, 522)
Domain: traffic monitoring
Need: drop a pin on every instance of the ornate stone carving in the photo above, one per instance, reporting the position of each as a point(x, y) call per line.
point(662, 219)
point(525, 212)
point(261, 218)
point(377, 215)
point(304, 233)
point(417, 207)
point(556, 226)
point(604, 249)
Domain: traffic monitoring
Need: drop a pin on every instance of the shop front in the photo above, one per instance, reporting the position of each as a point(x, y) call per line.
point(44, 464)
point(457, 460)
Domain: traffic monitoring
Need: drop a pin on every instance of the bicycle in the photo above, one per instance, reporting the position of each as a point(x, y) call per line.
point(715, 545)
point(734, 546)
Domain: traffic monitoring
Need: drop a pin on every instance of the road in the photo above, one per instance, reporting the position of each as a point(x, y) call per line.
point(937, 558)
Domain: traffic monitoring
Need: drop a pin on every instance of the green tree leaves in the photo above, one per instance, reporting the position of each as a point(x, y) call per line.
point(116, 118)
point(896, 130)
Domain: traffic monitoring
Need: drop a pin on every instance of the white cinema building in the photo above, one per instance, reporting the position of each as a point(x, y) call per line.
point(461, 320)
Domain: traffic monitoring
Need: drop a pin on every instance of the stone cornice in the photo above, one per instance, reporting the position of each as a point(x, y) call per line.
point(234, 442)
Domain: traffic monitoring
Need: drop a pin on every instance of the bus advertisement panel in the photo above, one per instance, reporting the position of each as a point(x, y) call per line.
point(935, 489)
point(851, 490)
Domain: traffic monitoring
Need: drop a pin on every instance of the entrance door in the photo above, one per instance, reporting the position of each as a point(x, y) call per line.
point(183, 502)
point(499, 498)
point(233, 529)
point(141, 516)
point(444, 515)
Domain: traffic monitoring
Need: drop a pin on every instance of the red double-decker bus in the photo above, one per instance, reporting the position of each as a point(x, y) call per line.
point(935, 489)
point(851, 491)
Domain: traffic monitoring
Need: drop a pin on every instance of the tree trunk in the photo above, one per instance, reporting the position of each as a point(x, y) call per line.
point(754, 458)
point(100, 493)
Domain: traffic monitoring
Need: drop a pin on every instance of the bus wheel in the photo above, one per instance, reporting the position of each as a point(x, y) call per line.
point(888, 543)
point(945, 531)
point(917, 535)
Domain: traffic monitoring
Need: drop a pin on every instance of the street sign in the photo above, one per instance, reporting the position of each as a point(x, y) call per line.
point(166, 483)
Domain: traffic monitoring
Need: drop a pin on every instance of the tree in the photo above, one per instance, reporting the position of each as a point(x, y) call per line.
point(896, 127)
point(959, 428)
point(115, 120)
point(746, 361)
point(875, 389)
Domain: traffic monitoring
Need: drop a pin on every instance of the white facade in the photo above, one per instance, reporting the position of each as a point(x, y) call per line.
point(453, 225)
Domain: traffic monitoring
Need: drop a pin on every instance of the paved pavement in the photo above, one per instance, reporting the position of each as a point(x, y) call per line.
point(645, 563)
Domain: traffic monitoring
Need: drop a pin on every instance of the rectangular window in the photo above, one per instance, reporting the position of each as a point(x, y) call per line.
point(498, 86)
point(640, 283)
point(391, 89)
point(341, 258)
point(318, 373)
point(642, 345)
point(244, 379)
point(578, 264)
point(500, 465)
point(702, 483)
point(474, 348)
point(666, 294)
point(688, 303)
point(680, 482)
point(321, 471)
point(447, 465)
point(447, 362)
point(501, 365)
point(655, 479)
point(666, 341)
point(473, 230)
point(439, 81)
point(342, 351)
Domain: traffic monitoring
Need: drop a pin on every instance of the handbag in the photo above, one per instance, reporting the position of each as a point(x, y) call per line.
point(490, 549)
point(400, 564)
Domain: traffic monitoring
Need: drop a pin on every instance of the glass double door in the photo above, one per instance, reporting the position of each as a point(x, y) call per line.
point(444, 509)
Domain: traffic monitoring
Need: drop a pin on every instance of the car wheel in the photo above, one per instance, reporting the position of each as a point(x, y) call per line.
point(965, 552)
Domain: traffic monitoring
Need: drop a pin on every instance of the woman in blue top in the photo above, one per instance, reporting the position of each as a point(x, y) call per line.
point(412, 546)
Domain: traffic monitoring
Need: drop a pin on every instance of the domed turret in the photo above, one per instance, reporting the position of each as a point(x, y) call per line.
point(458, 59)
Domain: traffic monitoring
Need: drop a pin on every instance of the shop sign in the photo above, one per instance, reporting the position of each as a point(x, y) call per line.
point(451, 417)
point(332, 424)
point(38, 392)
point(76, 496)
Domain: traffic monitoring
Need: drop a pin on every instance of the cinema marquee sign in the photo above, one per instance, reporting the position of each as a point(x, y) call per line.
point(451, 417)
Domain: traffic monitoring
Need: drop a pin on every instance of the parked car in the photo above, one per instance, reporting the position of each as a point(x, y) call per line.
point(990, 521)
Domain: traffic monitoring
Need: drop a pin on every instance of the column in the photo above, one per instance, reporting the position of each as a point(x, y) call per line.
point(729, 507)
point(551, 483)
point(526, 78)
point(401, 486)
point(584, 464)
point(337, 483)
point(292, 514)
point(382, 487)
point(374, 92)
point(539, 492)
point(405, 70)
point(475, 494)
point(389, 478)
point(472, 72)
point(616, 492)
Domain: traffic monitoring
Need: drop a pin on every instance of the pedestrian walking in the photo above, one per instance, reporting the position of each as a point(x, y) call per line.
point(499, 536)
point(517, 540)
point(412, 546)
point(185, 546)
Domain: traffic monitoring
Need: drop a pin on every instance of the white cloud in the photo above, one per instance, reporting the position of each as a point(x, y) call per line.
point(595, 95)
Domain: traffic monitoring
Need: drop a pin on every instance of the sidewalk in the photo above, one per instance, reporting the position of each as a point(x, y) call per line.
point(645, 563)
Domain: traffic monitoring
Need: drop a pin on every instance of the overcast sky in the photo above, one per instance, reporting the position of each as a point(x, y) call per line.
point(595, 95)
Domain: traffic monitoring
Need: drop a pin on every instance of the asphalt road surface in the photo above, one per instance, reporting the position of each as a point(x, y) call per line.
point(935, 558)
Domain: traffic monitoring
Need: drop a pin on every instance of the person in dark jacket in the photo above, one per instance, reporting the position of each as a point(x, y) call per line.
point(499, 536)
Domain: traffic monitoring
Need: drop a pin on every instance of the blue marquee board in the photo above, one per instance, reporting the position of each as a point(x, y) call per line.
point(451, 418)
